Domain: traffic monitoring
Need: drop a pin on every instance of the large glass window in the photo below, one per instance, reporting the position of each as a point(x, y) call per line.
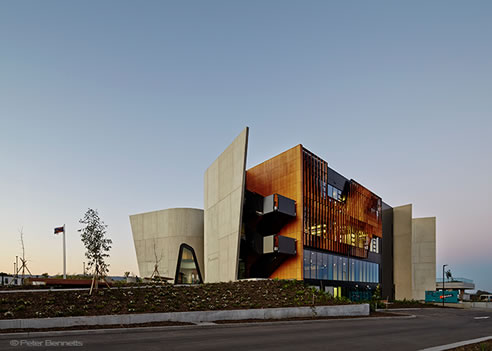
point(325, 266)
point(187, 271)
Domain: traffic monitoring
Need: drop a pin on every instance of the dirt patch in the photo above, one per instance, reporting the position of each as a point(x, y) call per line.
point(165, 298)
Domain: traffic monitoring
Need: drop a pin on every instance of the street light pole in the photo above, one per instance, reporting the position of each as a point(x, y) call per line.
point(444, 265)
point(64, 255)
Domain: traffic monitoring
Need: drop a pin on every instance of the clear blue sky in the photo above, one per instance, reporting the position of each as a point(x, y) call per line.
point(122, 105)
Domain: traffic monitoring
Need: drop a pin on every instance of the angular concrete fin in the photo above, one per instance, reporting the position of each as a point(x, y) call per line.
point(224, 184)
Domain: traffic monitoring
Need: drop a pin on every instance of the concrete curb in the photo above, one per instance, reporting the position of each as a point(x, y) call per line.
point(190, 317)
point(457, 344)
point(178, 327)
point(478, 305)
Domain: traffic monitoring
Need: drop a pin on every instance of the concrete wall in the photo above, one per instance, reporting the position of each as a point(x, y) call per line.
point(161, 233)
point(423, 256)
point(224, 195)
point(193, 317)
point(479, 305)
point(414, 245)
point(402, 251)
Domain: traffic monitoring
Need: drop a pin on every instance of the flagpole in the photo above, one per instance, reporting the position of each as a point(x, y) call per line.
point(64, 255)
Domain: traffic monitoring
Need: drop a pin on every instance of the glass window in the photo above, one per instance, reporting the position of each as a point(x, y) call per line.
point(359, 271)
point(375, 245)
point(307, 265)
point(361, 275)
point(364, 272)
point(352, 270)
point(371, 272)
point(330, 267)
point(187, 272)
point(377, 274)
point(335, 193)
point(340, 268)
point(319, 264)
point(335, 268)
point(325, 267)
point(345, 268)
point(313, 265)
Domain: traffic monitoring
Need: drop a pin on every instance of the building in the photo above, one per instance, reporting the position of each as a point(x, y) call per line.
point(456, 284)
point(290, 217)
point(11, 280)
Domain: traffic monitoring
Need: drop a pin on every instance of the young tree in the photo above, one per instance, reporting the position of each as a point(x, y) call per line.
point(97, 246)
point(23, 259)
point(155, 274)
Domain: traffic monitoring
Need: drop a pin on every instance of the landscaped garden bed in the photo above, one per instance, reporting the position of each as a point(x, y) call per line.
point(481, 346)
point(164, 298)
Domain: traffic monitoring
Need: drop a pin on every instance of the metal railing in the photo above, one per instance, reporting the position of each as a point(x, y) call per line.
point(454, 279)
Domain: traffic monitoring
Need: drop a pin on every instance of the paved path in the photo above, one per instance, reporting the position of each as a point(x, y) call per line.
point(432, 327)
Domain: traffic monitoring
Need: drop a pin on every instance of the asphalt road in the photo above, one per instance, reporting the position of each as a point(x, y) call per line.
point(431, 327)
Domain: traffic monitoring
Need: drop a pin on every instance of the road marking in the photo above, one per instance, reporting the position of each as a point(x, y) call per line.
point(457, 344)
point(482, 317)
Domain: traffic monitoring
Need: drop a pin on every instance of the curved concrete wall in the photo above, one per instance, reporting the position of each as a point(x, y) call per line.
point(161, 233)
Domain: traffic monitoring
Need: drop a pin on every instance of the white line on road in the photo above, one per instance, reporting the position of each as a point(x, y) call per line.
point(482, 317)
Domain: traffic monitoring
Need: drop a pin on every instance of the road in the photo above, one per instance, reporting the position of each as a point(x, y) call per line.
point(431, 327)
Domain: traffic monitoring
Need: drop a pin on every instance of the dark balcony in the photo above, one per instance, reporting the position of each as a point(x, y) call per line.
point(280, 204)
point(277, 211)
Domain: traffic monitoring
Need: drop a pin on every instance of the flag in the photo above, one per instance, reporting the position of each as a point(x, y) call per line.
point(59, 230)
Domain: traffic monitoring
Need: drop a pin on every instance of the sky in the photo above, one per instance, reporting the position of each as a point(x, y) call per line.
point(120, 106)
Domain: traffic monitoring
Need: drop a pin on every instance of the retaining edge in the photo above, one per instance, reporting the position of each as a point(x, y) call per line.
point(191, 317)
